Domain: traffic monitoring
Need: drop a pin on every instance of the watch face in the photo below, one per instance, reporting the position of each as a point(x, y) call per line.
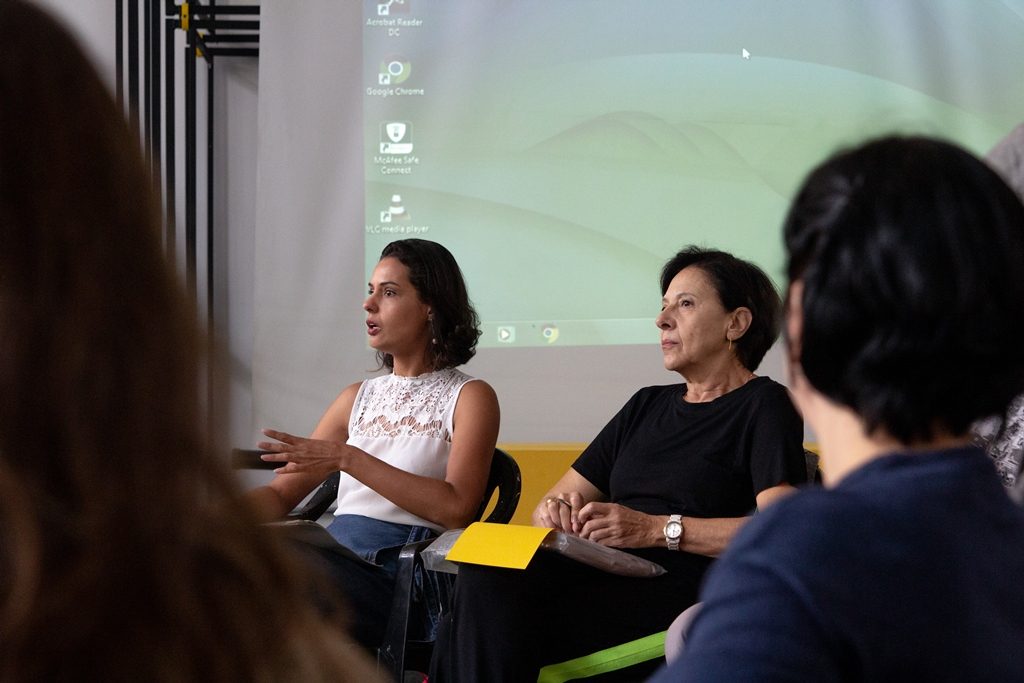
point(673, 529)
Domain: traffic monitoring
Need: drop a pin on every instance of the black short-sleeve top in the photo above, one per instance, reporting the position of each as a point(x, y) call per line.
point(661, 455)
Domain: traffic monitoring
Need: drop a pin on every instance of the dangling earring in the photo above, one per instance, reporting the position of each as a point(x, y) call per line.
point(730, 345)
point(433, 332)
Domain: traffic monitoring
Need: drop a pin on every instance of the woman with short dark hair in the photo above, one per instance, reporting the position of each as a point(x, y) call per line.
point(905, 309)
point(739, 284)
point(670, 478)
point(414, 446)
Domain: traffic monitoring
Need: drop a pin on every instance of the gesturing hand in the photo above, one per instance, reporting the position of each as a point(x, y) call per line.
point(301, 454)
point(618, 526)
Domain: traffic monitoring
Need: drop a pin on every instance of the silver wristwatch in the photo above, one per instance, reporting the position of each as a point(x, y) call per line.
point(673, 531)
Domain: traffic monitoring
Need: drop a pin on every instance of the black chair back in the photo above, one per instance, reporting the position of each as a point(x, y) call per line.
point(813, 461)
point(507, 480)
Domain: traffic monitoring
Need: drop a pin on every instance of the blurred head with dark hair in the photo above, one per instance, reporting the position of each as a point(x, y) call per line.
point(906, 287)
point(126, 552)
point(742, 291)
point(453, 326)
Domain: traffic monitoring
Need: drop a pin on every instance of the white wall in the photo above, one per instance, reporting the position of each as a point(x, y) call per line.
point(235, 183)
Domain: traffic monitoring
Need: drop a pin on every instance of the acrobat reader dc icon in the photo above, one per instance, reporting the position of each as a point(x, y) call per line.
point(392, 7)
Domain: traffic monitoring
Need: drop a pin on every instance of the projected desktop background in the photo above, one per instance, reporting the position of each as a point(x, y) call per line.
point(563, 150)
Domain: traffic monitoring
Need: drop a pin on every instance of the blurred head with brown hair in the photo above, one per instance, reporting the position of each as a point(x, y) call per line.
point(125, 550)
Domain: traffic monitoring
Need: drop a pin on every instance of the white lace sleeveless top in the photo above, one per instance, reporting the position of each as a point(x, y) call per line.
point(407, 423)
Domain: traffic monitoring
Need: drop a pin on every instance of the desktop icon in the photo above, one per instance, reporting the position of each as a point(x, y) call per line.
point(507, 334)
point(396, 137)
point(550, 333)
point(390, 7)
point(393, 70)
point(395, 212)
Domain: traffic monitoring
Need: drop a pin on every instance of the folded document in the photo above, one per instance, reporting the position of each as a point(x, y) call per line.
point(513, 546)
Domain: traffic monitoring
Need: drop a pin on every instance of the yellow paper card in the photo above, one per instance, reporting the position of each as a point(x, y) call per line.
point(497, 545)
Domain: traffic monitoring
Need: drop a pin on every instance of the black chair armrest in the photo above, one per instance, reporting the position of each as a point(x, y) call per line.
point(249, 459)
point(318, 503)
point(321, 500)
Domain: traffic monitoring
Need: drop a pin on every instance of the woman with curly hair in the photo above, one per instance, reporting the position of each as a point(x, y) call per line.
point(413, 446)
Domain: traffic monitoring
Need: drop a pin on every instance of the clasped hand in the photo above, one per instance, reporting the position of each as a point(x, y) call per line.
point(609, 524)
point(308, 456)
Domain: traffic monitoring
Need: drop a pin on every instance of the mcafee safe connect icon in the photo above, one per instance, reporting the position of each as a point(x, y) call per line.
point(396, 137)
